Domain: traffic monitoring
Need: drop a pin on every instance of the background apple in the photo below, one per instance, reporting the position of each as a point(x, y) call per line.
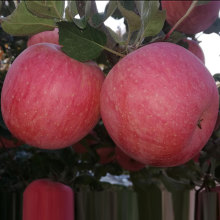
point(44, 37)
point(44, 199)
point(127, 162)
point(160, 104)
point(50, 100)
point(106, 154)
point(199, 19)
point(194, 47)
point(79, 148)
point(9, 143)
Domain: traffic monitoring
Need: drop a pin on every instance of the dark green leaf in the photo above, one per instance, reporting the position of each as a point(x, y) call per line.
point(176, 36)
point(202, 2)
point(134, 21)
point(214, 28)
point(99, 18)
point(21, 22)
point(173, 184)
point(152, 18)
point(81, 22)
point(71, 10)
point(82, 45)
point(217, 77)
point(46, 9)
point(119, 39)
point(129, 5)
point(88, 10)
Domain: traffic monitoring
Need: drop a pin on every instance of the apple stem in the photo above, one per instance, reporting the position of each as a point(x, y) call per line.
point(192, 6)
point(199, 123)
point(113, 51)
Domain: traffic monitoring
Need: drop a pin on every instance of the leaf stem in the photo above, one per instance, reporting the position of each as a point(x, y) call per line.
point(113, 51)
point(192, 6)
point(127, 41)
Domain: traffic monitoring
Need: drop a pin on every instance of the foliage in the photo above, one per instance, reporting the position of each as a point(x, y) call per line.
point(92, 40)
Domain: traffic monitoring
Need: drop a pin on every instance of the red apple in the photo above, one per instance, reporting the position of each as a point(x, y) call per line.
point(9, 143)
point(106, 154)
point(217, 124)
point(44, 199)
point(79, 148)
point(194, 47)
point(126, 162)
point(160, 104)
point(198, 20)
point(196, 158)
point(44, 37)
point(50, 100)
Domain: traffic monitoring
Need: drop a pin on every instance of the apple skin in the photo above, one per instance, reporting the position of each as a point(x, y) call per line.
point(159, 104)
point(44, 37)
point(50, 100)
point(217, 125)
point(127, 162)
point(198, 20)
point(44, 199)
point(194, 47)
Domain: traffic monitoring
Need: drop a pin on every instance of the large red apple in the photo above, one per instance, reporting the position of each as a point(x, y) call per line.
point(50, 100)
point(44, 37)
point(198, 20)
point(44, 199)
point(160, 104)
point(126, 162)
point(194, 47)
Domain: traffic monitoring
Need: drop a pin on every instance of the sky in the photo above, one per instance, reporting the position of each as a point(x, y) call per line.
point(210, 43)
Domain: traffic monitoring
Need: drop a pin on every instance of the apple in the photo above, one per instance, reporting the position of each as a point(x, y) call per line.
point(44, 37)
point(106, 154)
point(159, 104)
point(200, 18)
point(194, 47)
point(79, 148)
point(126, 162)
point(196, 158)
point(44, 199)
point(50, 100)
point(217, 125)
point(9, 143)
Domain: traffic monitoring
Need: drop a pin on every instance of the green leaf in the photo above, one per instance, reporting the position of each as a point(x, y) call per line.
point(202, 2)
point(88, 9)
point(172, 184)
point(21, 22)
point(99, 18)
point(71, 10)
point(176, 36)
point(214, 28)
point(81, 22)
point(134, 21)
point(152, 18)
point(82, 45)
point(217, 77)
point(46, 9)
point(117, 38)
